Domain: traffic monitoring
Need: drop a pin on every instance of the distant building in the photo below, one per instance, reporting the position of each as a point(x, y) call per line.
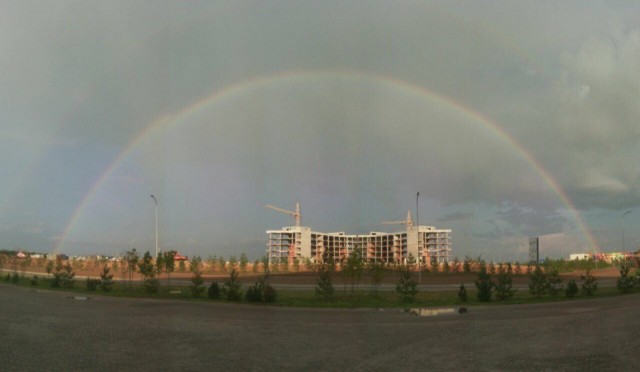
point(534, 249)
point(579, 256)
point(615, 256)
point(299, 242)
point(605, 256)
point(179, 257)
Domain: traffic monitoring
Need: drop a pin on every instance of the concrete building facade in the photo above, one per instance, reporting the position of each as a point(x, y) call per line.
point(300, 242)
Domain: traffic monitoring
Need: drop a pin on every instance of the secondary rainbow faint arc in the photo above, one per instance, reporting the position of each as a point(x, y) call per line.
point(239, 87)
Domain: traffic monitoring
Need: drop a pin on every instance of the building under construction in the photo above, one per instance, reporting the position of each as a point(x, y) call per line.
point(299, 242)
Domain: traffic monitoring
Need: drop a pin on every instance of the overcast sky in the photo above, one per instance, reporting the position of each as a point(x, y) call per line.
point(511, 118)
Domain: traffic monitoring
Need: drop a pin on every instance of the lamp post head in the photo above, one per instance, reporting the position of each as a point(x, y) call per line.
point(154, 199)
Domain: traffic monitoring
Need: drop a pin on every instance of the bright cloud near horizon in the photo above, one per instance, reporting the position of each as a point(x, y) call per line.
point(512, 120)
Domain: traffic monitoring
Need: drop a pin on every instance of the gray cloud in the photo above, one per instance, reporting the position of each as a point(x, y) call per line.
point(81, 79)
point(597, 121)
point(530, 222)
point(457, 216)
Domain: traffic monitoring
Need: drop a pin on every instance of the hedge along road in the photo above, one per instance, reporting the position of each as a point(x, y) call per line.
point(50, 330)
point(338, 282)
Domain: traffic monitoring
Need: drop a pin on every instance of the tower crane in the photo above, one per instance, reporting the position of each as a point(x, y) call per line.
point(296, 215)
point(397, 250)
point(408, 221)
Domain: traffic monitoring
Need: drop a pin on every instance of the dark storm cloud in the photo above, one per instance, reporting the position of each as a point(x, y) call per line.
point(82, 79)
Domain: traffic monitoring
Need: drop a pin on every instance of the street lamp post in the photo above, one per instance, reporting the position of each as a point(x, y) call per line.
point(156, 203)
point(622, 223)
point(418, 241)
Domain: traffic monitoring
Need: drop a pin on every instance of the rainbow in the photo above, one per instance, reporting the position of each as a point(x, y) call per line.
point(238, 88)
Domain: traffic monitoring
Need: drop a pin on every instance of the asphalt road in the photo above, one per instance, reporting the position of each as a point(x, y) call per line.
point(49, 330)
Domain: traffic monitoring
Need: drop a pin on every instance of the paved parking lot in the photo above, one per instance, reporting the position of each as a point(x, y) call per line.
point(45, 330)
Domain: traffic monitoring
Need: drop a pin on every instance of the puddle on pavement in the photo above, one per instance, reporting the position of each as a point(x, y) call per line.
point(425, 311)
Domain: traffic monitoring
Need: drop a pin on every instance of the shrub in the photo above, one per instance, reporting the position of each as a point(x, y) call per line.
point(261, 291)
point(433, 265)
point(455, 265)
point(195, 263)
point(572, 288)
point(625, 282)
point(466, 265)
point(354, 267)
point(554, 281)
point(518, 268)
point(7, 278)
point(231, 288)
point(538, 283)
point(269, 294)
point(233, 262)
point(484, 284)
point(222, 264)
point(425, 269)
point(244, 261)
point(68, 282)
point(159, 264)
point(67, 277)
point(504, 285)
point(376, 269)
point(462, 293)
point(49, 266)
point(92, 284)
point(265, 264)
point(196, 286)
point(214, 291)
point(407, 288)
point(254, 293)
point(324, 287)
point(56, 281)
point(148, 271)
point(15, 278)
point(106, 279)
point(151, 285)
point(446, 267)
point(34, 280)
point(131, 258)
point(63, 276)
point(589, 283)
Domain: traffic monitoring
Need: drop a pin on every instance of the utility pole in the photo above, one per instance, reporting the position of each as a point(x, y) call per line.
point(156, 202)
point(418, 241)
point(622, 223)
